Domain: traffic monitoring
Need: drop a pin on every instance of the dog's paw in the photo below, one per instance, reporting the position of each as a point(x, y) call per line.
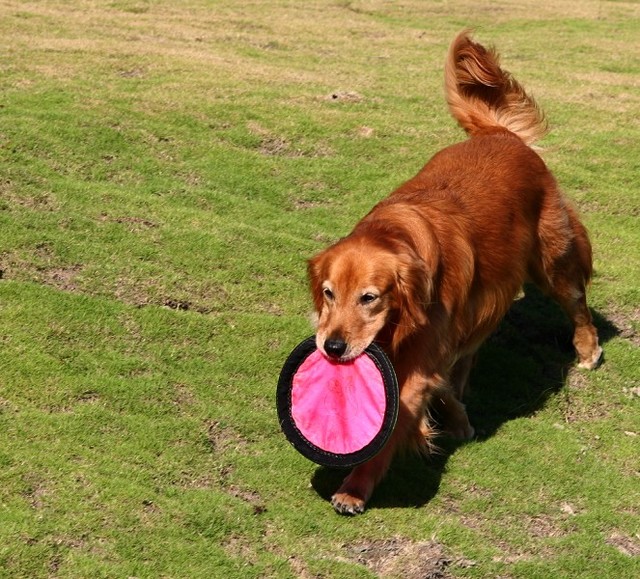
point(593, 361)
point(346, 504)
point(461, 431)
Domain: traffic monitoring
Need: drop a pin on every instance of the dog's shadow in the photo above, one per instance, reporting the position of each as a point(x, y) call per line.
point(524, 363)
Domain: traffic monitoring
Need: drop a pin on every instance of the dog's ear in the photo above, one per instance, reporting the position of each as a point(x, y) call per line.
point(414, 293)
point(315, 273)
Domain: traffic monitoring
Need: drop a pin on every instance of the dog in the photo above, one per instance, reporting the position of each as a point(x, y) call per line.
point(431, 270)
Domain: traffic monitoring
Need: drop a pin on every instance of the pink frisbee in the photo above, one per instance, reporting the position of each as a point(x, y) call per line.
point(337, 414)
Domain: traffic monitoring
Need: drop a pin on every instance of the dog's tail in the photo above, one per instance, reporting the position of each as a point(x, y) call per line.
point(483, 96)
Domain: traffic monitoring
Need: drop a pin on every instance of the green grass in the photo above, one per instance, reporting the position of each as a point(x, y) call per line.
point(167, 168)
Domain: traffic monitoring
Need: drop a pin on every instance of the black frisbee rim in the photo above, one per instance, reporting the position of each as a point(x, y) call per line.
point(309, 450)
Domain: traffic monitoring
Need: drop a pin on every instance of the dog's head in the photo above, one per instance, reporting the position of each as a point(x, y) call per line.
point(360, 288)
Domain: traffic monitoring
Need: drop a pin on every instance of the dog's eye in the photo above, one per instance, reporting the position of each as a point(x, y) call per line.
point(368, 298)
point(328, 293)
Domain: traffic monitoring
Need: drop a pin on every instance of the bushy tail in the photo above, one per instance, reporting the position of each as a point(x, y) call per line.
point(482, 96)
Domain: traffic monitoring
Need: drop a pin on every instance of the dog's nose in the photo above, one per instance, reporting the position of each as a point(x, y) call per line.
point(335, 348)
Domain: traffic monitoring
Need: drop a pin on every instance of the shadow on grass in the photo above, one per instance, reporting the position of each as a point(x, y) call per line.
point(412, 481)
point(524, 363)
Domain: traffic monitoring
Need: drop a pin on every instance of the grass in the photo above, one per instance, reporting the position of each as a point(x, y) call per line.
point(166, 170)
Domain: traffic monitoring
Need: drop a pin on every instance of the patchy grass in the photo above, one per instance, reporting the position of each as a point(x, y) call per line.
point(166, 170)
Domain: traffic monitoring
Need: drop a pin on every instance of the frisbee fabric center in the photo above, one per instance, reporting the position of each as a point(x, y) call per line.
point(337, 414)
point(338, 406)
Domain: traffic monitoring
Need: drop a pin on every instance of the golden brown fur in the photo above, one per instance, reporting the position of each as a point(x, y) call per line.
point(433, 268)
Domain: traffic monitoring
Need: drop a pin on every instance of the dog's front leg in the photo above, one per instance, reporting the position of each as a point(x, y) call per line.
point(357, 488)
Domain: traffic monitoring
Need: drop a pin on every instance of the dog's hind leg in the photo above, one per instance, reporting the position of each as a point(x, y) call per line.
point(572, 298)
point(563, 274)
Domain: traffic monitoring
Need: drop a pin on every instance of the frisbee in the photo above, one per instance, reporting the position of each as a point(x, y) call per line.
point(337, 414)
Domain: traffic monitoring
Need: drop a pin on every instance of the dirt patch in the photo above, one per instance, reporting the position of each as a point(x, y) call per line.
point(62, 278)
point(399, 557)
point(89, 397)
point(144, 292)
point(624, 324)
point(301, 204)
point(272, 145)
point(576, 410)
point(271, 542)
point(543, 527)
point(183, 397)
point(348, 96)
point(365, 132)
point(201, 481)
point(249, 496)
point(629, 546)
point(577, 379)
point(37, 201)
point(148, 506)
point(35, 492)
point(223, 438)
point(299, 569)
point(239, 547)
point(271, 309)
point(633, 392)
point(312, 194)
point(184, 306)
point(132, 223)
point(40, 265)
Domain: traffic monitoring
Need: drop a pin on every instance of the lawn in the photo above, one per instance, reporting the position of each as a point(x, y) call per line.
point(166, 170)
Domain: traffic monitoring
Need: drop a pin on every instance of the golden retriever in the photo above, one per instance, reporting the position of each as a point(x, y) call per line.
point(429, 273)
